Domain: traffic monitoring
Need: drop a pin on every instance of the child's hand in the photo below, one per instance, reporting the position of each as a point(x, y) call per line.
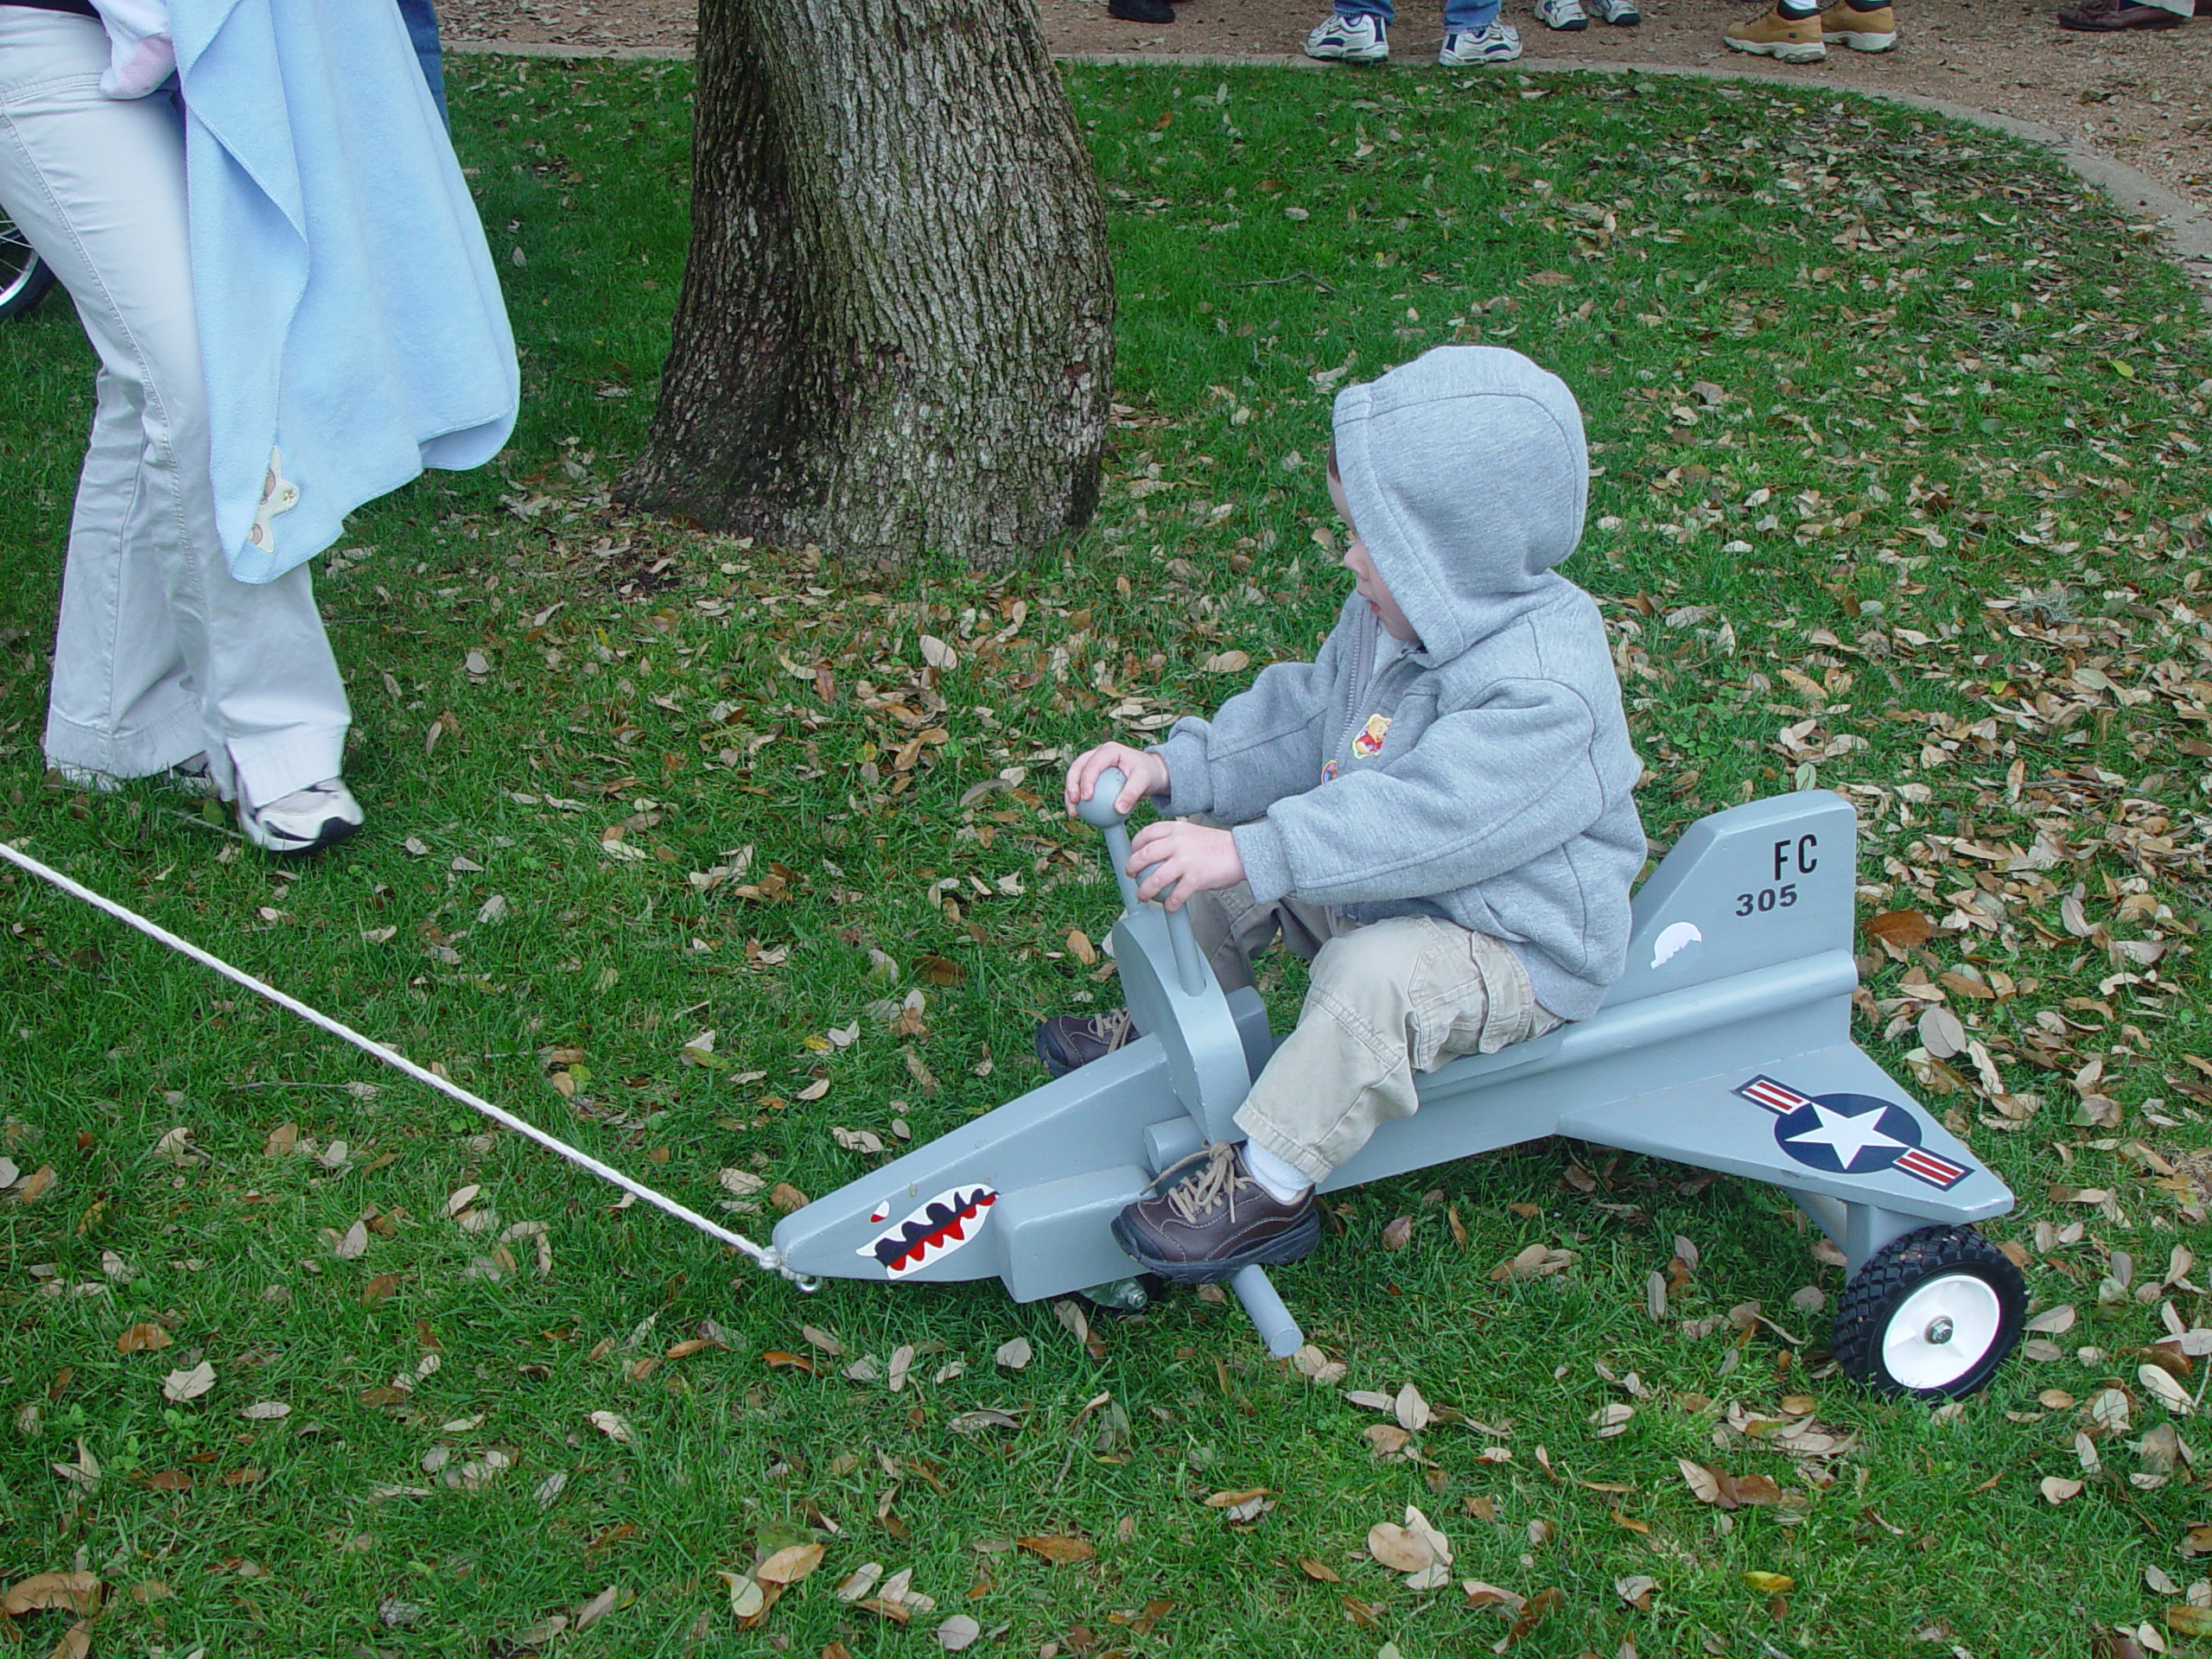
point(1147, 774)
point(1189, 857)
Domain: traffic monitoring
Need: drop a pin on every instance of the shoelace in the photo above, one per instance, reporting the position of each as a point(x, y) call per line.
point(1211, 1187)
point(1112, 1028)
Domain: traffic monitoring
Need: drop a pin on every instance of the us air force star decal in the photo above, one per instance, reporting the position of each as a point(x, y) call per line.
point(1850, 1135)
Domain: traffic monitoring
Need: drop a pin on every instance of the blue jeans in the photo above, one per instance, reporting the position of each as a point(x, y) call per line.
point(423, 29)
point(1459, 16)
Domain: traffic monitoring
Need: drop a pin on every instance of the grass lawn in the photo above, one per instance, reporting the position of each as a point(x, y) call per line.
point(1902, 492)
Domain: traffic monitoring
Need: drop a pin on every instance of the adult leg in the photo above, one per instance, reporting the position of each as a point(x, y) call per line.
point(422, 19)
point(160, 654)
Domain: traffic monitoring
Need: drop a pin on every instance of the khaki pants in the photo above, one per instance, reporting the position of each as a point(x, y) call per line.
point(1387, 1001)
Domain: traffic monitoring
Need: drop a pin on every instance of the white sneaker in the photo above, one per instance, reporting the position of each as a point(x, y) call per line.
point(1561, 14)
point(187, 776)
point(306, 821)
point(1495, 43)
point(1623, 12)
point(1349, 40)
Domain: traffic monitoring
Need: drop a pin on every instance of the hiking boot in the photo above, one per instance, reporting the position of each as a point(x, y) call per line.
point(1074, 1040)
point(1563, 14)
point(306, 821)
point(1862, 31)
point(1498, 43)
point(1792, 40)
point(2107, 17)
point(1349, 40)
point(1205, 1218)
point(1623, 12)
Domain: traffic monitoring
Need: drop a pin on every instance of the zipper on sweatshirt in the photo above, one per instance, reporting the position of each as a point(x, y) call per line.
point(1355, 693)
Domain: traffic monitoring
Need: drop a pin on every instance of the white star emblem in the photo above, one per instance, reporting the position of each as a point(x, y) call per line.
point(1849, 1136)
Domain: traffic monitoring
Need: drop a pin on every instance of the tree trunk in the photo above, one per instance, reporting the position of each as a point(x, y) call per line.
point(896, 328)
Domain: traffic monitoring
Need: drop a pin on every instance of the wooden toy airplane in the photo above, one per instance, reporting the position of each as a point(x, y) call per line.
point(1726, 1045)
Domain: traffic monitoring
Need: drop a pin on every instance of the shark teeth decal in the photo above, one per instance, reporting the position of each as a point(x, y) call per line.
point(942, 1225)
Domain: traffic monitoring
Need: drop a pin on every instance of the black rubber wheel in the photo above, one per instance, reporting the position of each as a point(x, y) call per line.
point(1932, 1315)
point(24, 278)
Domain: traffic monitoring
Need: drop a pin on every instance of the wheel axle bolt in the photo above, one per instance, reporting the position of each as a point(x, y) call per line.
point(1940, 1330)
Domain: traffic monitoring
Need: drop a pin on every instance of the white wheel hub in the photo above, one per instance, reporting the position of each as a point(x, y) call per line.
point(1942, 1330)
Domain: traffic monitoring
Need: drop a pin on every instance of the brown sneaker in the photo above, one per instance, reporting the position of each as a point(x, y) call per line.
point(1792, 40)
point(2109, 16)
point(1075, 1039)
point(1862, 31)
point(1206, 1218)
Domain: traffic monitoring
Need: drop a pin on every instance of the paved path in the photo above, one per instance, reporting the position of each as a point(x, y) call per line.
point(2183, 218)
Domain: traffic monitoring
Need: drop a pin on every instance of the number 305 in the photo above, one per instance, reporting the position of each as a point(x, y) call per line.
point(1766, 898)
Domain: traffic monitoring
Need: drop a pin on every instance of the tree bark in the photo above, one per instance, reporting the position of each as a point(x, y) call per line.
point(895, 332)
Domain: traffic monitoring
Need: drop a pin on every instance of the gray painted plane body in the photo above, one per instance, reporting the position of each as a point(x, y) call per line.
point(1726, 1045)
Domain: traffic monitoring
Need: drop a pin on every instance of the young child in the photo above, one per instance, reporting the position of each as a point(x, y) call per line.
point(1437, 809)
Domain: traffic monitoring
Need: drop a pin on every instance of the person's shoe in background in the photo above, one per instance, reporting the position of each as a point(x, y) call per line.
point(1495, 43)
point(2109, 16)
point(1349, 40)
point(1862, 31)
point(1790, 40)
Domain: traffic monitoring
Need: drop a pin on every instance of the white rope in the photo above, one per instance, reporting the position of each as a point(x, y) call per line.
point(768, 1257)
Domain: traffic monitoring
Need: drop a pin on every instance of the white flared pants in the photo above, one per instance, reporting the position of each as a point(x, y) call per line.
point(161, 654)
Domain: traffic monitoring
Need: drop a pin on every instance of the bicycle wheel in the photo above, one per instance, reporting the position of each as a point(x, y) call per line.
point(24, 278)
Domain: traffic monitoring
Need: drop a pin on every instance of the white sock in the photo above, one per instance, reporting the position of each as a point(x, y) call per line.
point(1286, 1182)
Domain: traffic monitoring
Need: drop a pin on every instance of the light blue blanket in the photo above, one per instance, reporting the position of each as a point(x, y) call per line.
point(350, 315)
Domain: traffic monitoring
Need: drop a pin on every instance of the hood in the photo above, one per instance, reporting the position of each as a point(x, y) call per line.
point(1466, 476)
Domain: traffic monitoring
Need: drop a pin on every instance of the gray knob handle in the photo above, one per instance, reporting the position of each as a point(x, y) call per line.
point(1098, 811)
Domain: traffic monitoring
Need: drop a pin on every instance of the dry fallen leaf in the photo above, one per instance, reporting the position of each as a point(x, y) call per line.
point(1398, 1549)
point(1060, 1551)
point(141, 1339)
point(1240, 1506)
point(790, 1564)
point(1770, 1584)
point(75, 1593)
point(611, 1425)
point(265, 1411)
point(2157, 1380)
point(180, 1386)
point(957, 1632)
point(1012, 1354)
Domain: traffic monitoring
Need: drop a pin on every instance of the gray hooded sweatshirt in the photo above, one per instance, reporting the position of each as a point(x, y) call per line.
point(1485, 774)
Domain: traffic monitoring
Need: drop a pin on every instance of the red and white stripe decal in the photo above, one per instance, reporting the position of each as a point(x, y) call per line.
point(1777, 1097)
point(1930, 1168)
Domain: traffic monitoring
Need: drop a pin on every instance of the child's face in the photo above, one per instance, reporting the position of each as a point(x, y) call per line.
point(1369, 585)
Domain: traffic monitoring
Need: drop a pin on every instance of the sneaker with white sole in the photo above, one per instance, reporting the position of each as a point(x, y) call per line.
point(1498, 43)
point(189, 776)
point(1771, 34)
point(306, 821)
point(1621, 12)
point(1349, 40)
point(1862, 31)
point(1563, 14)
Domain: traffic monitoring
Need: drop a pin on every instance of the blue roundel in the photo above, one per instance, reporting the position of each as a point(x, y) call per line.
point(1847, 1135)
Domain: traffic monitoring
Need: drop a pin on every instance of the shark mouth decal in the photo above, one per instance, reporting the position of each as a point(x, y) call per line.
point(942, 1225)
